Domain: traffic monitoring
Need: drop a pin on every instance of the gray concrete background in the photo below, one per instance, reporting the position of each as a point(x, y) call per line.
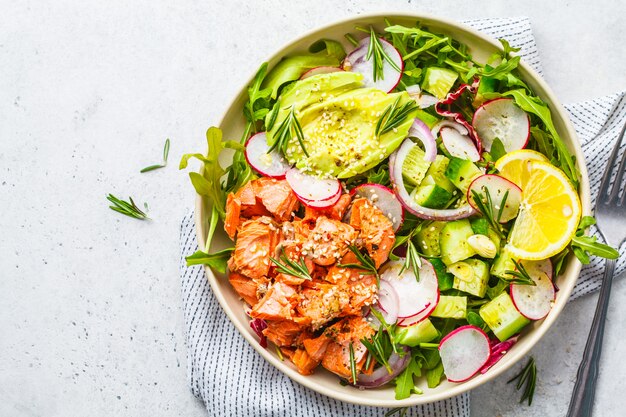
point(90, 318)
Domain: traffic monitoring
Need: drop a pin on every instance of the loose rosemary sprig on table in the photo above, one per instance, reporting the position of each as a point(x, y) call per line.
point(366, 265)
point(287, 266)
point(527, 376)
point(393, 116)
point(128, 208)
point(376, 52)
point(166, 151)
point(484, 203)
point(288, 128)
point(520, 275)
point(398, 411)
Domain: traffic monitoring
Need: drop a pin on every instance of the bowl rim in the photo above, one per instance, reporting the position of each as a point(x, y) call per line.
point(571, 273)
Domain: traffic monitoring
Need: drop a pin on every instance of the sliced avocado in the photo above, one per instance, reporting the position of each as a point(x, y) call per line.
point(415, 166)
point(444, 278)
point(461, 172)
point(503, 263)
point(338, 117)
point(439, 81)
point(453, 241)
point(478, 283)
point(421, 332)
point(502, 317)
point(432, 196)
point(428, 238)
point(451, 306)
point(436, 174)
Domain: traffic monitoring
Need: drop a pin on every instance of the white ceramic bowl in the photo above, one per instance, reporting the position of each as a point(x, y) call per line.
point(232, 123)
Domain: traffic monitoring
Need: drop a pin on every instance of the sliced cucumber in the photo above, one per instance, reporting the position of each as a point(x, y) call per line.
point(432, 196)
point(461, 172)
point(453, 241)
point(502, 317)
point(427, 118)
point(413, 335)
point(428, 238)
point(451, 306)
point(445, 278)
point(476, 282)
point(480, 226)
point(415, 167)
point(439, 81)
point(436, 174)
point(503, 263)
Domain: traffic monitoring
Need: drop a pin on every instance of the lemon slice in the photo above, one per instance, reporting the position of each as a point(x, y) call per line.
point(514, 166)
point(549, 213)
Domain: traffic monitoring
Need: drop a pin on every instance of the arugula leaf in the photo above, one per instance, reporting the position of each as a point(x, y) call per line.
point(433, 376)
point(474, 319)
point(507, 48)
point(217, 260)
point(257, 106)
point(493, 292)
point(583, 246)
point(497, 149)
point(405, 384)
point(544, 142)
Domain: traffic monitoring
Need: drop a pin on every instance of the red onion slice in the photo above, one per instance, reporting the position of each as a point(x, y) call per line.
point(420, 131)
point(258, 325)
point(381, 375)
point(498, 350)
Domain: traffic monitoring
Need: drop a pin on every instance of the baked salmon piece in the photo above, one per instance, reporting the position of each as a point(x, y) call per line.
point(233, 213)
point(283, 332)
point(251, 206)
point(328, 241)
point(316, 347)
point(336, 212)
point(376, 230)
point(276, 196)
point(277, 303)
point(245, 287)
point(348, 331)
point(322, 302)
point(256, 242)
point(304, 363)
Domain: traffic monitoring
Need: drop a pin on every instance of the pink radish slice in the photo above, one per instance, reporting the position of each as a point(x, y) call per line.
point(388, 303)
point(319, 70)
point(271, 164)
point(535, 301)
point(448, 123)
point(420, 131)
point(414, 297)
point(464, 352)
point(460, 146)
point(497, 186)
point(310, 188)
point(321, 204)
point(396, 160)
point(502, 118)
point(357, 61)
point(383, 198)
point(447, 108)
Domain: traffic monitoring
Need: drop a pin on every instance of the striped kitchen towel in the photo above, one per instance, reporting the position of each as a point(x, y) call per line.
point(232, 379)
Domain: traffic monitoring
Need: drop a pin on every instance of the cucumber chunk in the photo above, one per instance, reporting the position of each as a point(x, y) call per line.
point(432, 196)
point(503, 263)
point(480, 226)
point(478, 281)
point(439, 81)
point(436, 174)
point(421, 332)
point(451, 306)
point(427, 118)
point(428, 238)
point(445, 278)
point(415, 167)
point(453, 241)
point(461, 172)
point(502, 317)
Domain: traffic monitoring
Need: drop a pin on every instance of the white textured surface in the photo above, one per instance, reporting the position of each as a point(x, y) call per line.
point(90, 320)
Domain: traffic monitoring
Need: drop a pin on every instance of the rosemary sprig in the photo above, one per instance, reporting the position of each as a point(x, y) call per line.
point(485, 206)
point(289, 267)
point(398, 411)
point(527, 376)
point(352, 364)
point(412, 260)
point(166, 151)
point(379, 348)
point(393, 116)
point(376, 52)
point(288, 128)
point(520, 275)
point(128, 208)
point(366, 265)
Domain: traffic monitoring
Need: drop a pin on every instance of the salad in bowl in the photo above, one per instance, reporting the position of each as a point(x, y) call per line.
point(398, 210)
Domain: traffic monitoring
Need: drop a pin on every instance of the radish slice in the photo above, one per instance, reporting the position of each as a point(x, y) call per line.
point(271, 164)
point(464, 352)
point(383, 198)
point(321, 204)
point(312, 189)
point(357, 61)
point(396, 160)
point(420, 131)
point(388, 303)
point(319, 71)
point(535, 301)
point(415, 297)
point(497, 186)
point(460, 146)
point(502, 118)
point(449, 123)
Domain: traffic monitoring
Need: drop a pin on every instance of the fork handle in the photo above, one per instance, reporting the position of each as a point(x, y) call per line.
point(581, 403)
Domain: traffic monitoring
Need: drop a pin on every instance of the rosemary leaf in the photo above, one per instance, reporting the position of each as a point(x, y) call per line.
point(127, 208)
point(287, 266)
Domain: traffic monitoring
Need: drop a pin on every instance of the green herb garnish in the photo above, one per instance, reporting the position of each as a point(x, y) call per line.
point(128, 208)
point(289, 128)
point(398, 411)
point(352, 364)
point(376, 52)
point(412, 260)
point(166, 151)
point(366, 265)
point(583, 246)
point(287, 266)
point(485, 206)
point(393, 116)
point(520, 275)
point(379, 347)
point(528, 376)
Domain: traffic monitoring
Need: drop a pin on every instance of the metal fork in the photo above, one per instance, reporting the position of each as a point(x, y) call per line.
point(610, 215)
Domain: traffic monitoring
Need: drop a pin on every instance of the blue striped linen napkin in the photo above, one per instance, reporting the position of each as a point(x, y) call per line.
point(232, 379)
